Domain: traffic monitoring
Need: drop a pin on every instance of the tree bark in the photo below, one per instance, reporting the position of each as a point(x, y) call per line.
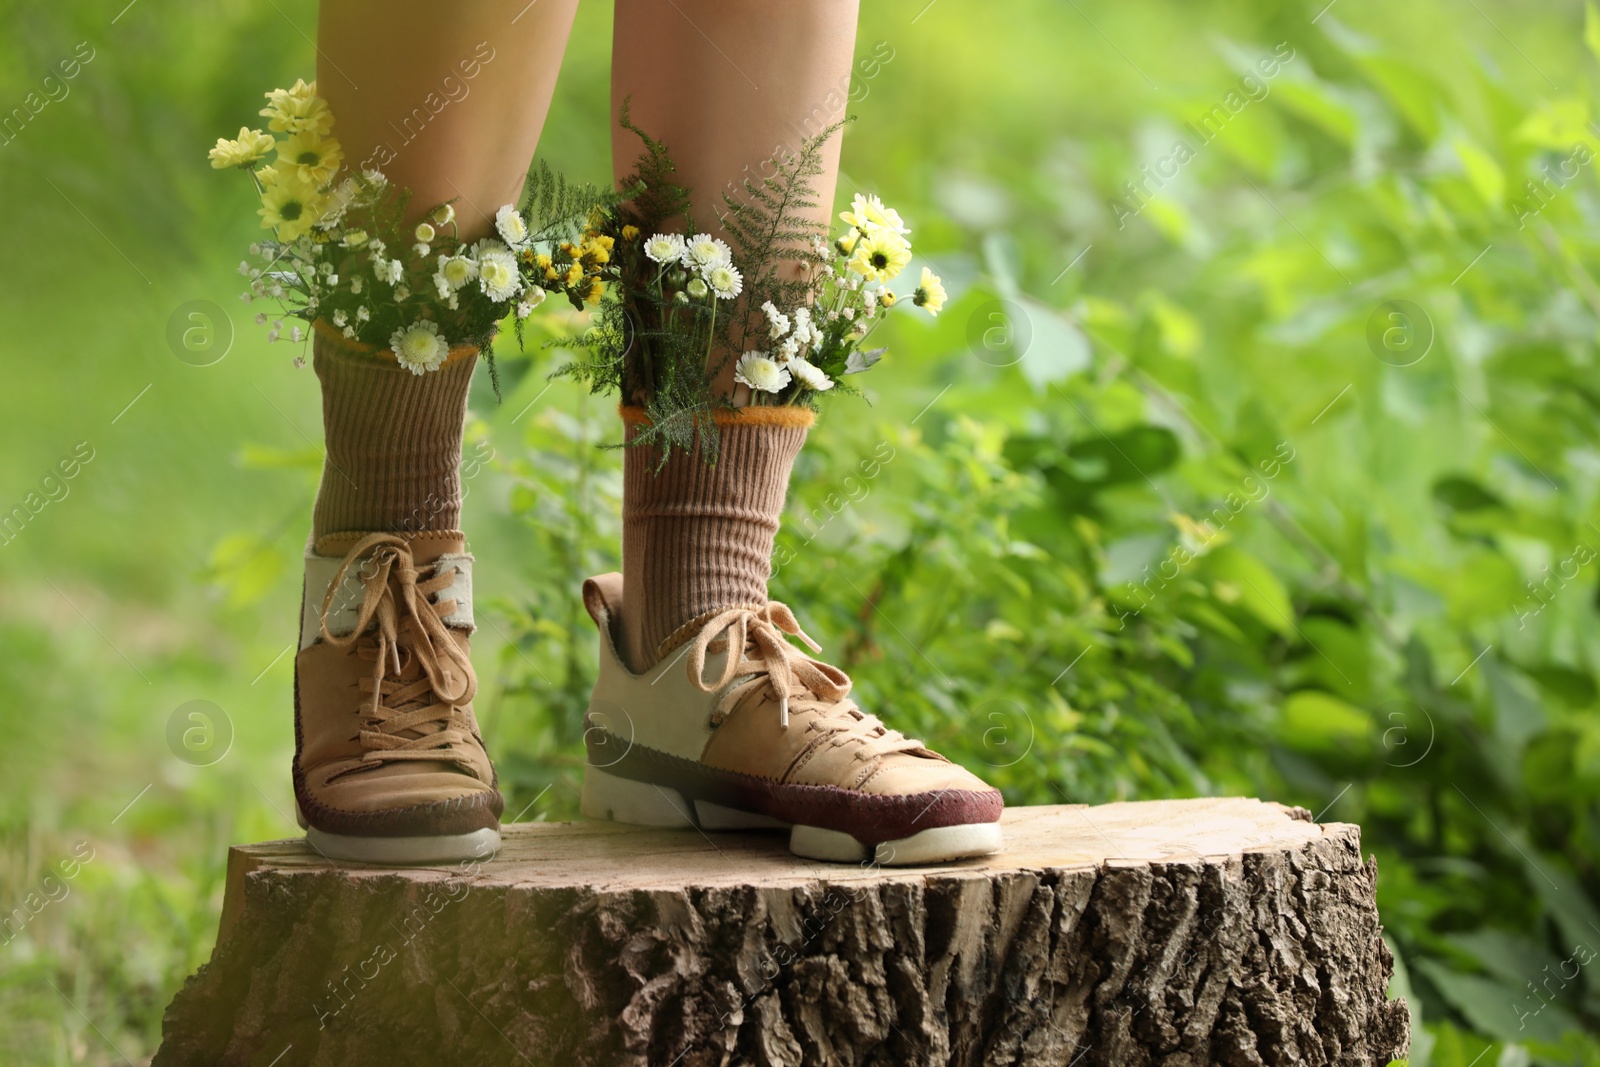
point(1217, 931)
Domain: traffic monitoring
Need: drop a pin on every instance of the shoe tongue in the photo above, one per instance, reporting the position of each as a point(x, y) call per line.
point(426, 545)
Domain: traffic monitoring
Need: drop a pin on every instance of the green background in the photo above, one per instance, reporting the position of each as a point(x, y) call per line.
point(1396, 629)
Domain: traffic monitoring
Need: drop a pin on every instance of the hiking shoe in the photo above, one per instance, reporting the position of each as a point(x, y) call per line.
point(741, 730)
point(389, 766)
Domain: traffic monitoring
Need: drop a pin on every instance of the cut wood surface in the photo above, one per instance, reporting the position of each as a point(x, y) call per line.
point(1213, 931)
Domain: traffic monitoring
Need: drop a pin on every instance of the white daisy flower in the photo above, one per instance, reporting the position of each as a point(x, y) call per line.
point(698, 288)
point(705, 251)
point(497, 270)
point(725, 281)
point(760, 372)
point(509, 222)
point(422, 249)
point(456, 271)
point(664, 248)
point(810, 375)
point(419, 347)
point(532, 297)
point(444, 214)
point(425, 232)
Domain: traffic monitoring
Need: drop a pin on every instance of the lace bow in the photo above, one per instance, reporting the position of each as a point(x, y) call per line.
point(787, 668)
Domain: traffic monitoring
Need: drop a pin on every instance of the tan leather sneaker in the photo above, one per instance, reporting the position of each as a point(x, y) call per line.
point(740, 730)
point(389, 766)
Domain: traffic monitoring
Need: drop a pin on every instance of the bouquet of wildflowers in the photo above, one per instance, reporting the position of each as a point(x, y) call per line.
point(792, 308)
point(345, 250)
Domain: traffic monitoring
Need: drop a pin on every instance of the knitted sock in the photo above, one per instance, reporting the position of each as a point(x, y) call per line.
point(697, 538)
point(393, 439)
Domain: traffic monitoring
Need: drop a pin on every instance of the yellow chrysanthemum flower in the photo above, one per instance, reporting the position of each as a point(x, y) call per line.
point(543, 260)
point(574, 274)
point(630, 232)
point(312, 158)
point(593, 252)
point(867, 213)
point(289, 204)
point(298, 110)
point(930, 294)
point(594, 291)
point(880, 255)
point(247, 148)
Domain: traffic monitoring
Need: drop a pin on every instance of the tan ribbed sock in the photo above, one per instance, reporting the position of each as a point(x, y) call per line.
point(697, 538)
point(393, 439)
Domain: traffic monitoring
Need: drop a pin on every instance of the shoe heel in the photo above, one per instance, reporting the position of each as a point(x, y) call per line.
point(606, 796)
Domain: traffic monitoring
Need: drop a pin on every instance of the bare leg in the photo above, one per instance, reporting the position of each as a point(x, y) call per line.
point(727, 85)
point(448, 100)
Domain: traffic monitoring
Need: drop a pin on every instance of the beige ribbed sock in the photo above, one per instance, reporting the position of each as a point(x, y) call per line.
point(697, 538)
point(393, 439)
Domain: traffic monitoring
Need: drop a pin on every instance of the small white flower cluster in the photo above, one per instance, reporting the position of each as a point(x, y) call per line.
point(796, 336)
point(707, 258)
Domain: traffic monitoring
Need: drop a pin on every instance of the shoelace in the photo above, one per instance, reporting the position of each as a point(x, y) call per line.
point(789, 673)
point(426, 708)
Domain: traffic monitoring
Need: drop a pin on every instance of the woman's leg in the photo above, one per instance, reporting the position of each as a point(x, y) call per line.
point(729, 85)
point(726, 85)
point(448, 100)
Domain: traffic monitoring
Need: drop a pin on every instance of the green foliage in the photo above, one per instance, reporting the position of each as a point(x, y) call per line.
point(770, 233)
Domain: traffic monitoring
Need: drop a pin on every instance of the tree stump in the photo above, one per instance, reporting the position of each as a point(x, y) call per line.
point(1194, 932)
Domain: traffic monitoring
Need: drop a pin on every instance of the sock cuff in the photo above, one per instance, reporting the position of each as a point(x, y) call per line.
point(338, 344)
point(774, 415)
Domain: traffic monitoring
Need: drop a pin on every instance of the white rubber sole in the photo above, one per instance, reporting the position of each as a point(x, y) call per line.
point(607, 796)
point(402, 851)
